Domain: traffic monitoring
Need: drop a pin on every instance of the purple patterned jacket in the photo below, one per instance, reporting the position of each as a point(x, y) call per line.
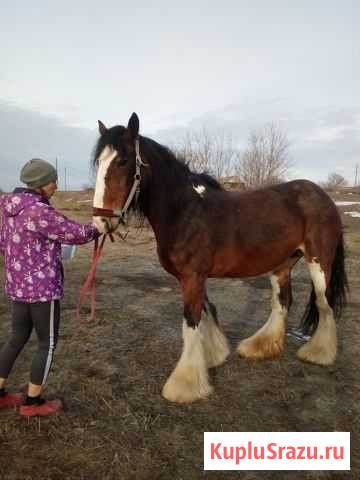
point(31, 235)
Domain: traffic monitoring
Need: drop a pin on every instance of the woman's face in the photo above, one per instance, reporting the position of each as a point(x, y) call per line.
point(49, 189)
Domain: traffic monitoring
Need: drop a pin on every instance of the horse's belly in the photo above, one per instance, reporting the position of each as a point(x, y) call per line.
point(241, 263)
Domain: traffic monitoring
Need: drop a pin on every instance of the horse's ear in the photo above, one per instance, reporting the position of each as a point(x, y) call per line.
point(102, 128)
point(133, 125)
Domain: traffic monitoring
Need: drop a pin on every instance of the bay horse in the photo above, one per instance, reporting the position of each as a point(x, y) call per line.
point(204, 231)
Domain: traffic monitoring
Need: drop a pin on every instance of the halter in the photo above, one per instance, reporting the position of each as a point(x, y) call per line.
point(121, 213)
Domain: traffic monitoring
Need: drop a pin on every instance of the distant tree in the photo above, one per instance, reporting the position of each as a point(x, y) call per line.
point(265, 160)
point(334, 181)
point(206, 151)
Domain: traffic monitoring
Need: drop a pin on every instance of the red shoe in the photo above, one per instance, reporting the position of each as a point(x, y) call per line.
point(43, 410)
point(11, 400)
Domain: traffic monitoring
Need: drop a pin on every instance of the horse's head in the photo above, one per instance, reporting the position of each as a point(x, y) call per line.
point(116, 159)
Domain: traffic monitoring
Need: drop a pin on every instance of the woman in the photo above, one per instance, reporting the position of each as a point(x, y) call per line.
point(31, 235)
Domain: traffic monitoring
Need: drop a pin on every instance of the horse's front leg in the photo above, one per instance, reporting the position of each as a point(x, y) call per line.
point(189, 380)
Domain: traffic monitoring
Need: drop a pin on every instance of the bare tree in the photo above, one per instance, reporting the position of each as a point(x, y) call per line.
point(334, 181)
point(265, 160)
point(211, 152)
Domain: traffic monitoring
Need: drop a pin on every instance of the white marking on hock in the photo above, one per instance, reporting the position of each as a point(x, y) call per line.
point(216, 347)
point(189, 380)
point(317, 276)
point(200, 190)
point(321, 348)
point(268, 341)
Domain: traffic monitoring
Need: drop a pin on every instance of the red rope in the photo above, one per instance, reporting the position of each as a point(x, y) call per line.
point(90, 282)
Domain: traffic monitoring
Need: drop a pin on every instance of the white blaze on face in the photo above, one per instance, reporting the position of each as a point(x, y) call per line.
point(106, 157)
point(199, 189)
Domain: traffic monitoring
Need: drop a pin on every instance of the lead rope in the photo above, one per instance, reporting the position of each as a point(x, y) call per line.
point(89, 284)
point(121, 215)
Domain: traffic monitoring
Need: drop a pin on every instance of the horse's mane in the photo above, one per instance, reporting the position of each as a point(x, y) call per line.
point(207, 179)
point(171, 166)
point(111, 137)
point(176, 167)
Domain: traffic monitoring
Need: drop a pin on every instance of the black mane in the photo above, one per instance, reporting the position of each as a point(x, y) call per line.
point(111, 137)
point(207, 179)
point(174, 168)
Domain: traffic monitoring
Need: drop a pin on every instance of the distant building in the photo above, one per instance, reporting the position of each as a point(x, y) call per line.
point(232, 183)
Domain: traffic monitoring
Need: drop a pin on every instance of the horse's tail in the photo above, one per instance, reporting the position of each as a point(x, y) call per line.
point(335, 293)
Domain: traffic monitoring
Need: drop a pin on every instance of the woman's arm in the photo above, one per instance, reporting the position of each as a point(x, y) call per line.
point(55, 226)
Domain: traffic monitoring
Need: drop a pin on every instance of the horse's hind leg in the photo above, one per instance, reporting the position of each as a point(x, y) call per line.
point(268, 341)
point(216, 347)
point(189, 380)
point(321, 348)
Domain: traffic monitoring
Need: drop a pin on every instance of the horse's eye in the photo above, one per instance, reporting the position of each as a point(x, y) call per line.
point(121, 161)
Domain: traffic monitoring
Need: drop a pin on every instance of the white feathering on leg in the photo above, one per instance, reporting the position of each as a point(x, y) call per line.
point(322, 347)
point(216, 348)
point(189, 380)
point(268, 341)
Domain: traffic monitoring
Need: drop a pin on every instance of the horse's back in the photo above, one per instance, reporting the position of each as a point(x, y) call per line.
point(260, 229)
point(302, 200)
point(317, 208)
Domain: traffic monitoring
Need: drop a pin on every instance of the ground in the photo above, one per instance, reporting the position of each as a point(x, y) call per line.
point(110, 373)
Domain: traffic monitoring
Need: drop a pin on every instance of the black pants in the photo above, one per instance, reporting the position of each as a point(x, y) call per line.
point(44, 317)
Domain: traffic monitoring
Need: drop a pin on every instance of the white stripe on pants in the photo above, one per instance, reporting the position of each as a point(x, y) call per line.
point(51, 344)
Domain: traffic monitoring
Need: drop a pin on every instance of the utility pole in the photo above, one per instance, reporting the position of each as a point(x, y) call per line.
point(57, 170)
point(65, 181)
point(356, 174)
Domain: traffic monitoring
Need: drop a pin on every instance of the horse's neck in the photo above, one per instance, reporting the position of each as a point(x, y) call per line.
point(162, 200)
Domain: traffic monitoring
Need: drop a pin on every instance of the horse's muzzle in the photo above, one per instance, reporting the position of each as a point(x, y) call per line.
point(106, 224)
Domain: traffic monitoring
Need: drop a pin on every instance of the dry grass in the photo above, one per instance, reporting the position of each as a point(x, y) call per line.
point(110, 373)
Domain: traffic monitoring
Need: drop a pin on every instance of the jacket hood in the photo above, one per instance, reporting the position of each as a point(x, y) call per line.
point(13, 203)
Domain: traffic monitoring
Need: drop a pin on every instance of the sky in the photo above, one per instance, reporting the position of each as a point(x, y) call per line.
point(231, 65)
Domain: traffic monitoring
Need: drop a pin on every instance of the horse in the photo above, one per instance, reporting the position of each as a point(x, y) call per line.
point(204, 231)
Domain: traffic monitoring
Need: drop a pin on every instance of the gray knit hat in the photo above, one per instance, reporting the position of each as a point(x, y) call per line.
point(37, 173)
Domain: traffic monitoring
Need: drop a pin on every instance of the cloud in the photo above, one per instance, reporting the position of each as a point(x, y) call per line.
point(322, 139)
point(25, 134)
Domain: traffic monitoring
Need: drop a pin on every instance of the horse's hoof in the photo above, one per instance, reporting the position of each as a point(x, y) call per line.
point(186, 387)
point(259, 348)
point(317, 356)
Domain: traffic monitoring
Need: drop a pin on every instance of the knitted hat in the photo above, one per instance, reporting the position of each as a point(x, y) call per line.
point(37, 173)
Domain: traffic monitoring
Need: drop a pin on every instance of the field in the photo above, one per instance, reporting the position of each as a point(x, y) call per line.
point(110, 373)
